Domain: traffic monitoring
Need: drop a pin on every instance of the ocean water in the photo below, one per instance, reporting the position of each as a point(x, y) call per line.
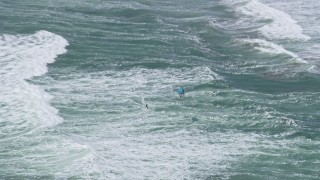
point(76, 76)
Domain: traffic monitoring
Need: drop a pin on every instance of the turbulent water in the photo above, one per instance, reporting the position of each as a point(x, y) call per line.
point(76, 77)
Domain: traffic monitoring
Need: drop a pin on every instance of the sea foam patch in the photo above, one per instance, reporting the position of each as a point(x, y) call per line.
point(281, 25)
point(276, 24)
point(25, 107)
point(270, 48)
point(23, 57)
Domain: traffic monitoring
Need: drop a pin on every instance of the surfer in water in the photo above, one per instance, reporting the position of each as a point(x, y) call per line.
point(181, 91)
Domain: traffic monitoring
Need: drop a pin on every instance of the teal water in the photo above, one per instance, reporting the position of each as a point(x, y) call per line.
point(76, 76)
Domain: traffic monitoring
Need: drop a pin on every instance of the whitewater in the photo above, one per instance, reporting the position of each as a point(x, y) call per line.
point(76, 77)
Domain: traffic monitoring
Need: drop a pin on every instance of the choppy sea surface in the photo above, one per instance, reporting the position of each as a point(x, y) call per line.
point(76, 76)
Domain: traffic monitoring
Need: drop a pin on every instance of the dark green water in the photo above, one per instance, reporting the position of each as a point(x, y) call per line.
point(76, 76)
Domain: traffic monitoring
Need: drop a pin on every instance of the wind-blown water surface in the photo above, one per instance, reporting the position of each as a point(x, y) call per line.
point(76, 76)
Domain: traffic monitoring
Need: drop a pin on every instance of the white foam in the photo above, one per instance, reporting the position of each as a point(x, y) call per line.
point(23, 57)
point(314, 69)
point(26, 107)
point(152, 144)
point(134, 82)
point(172, 155)
point(269, 47)
point(282, 26)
